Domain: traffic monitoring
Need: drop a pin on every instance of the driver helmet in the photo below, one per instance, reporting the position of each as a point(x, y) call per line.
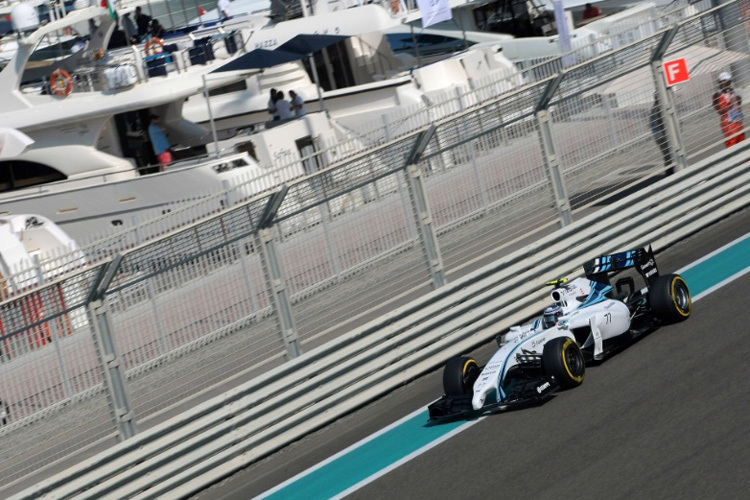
point(550, 316)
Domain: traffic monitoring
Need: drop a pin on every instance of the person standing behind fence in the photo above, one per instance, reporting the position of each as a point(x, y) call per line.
point(729, 106)
point(142, 21)
point(159, 142)
point(656, 124)
point(298, 104)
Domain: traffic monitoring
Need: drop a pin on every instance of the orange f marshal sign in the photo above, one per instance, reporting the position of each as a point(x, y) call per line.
point(676, 71)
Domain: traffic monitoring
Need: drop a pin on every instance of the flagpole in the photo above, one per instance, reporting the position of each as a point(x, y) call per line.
point(317, 82)
point(210, 115)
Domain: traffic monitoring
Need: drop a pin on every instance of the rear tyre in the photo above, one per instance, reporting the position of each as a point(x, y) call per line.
point(563, 359)
point(670, 298)
point(459, 376)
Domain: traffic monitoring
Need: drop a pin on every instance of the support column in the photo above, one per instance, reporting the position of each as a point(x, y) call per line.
point(279, 296)
point(112, 369)
point(669, 115)
point(666, 101)
point(108, 353)
point(552, 162)
point(423, 218)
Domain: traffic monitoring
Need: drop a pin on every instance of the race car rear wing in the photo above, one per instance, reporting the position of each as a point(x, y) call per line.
point(600, 268)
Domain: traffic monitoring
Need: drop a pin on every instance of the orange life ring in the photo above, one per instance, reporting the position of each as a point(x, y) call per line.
point(60, 82)
point(152, 43)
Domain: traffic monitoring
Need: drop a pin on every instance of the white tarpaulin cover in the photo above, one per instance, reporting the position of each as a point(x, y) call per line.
point(434, 11)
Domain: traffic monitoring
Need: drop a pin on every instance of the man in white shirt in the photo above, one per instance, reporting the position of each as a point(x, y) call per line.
point(298, 104)
point(223, 7)
point(283, 107)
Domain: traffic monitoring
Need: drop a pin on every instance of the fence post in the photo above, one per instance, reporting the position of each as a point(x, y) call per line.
point(421, 209)
point(666, 101)
point(279, 296)
point(551, 160)
point(110, 360)
point(560, 192)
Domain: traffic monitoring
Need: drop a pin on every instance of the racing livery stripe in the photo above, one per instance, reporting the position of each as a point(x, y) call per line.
point(409, 437)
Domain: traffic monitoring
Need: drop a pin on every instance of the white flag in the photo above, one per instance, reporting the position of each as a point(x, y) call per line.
point(434, 11)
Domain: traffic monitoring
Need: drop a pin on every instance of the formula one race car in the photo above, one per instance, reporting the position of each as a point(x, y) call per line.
point(588, 320)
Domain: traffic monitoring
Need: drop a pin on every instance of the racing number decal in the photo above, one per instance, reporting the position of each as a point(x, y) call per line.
point(607, 318)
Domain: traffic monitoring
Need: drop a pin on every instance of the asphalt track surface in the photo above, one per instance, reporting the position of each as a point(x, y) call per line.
point(665, 418)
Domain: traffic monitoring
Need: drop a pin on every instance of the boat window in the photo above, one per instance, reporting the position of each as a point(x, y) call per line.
point(428, 44)
point(232, 87)
point(49, 51)
point(5, 178)
point(18, 174)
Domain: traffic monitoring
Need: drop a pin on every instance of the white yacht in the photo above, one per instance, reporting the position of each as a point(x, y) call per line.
point(390, 66)
point(89, 124)
point(360, 78)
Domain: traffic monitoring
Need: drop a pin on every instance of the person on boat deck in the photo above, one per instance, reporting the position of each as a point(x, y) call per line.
point(591, 12)
point(283, 107)
point(159, 142)
point(223, 7)
point(142, 21)
point(298, 104)
point(272, 104)
point(728, 104)
point(157, 30)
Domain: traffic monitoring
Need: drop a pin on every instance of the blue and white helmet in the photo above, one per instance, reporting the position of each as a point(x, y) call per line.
point(549, 318)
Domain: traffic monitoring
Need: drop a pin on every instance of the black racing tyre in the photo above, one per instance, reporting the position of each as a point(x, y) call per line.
point(459, 376)
point(563, 359)
point(670, 300)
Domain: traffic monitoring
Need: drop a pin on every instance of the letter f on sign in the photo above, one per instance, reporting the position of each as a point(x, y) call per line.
point(676, 71)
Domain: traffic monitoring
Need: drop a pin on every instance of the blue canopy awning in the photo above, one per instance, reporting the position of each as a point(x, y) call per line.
point(307, 44)
point(259, 59)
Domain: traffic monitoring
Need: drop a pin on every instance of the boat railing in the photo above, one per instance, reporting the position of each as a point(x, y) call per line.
point(121, 69)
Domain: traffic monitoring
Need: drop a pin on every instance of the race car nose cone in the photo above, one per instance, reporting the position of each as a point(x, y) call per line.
point(478, 401)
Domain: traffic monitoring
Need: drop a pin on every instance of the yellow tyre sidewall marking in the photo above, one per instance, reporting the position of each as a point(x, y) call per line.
point(468, 363)
point(566, 345)
point(674, 297)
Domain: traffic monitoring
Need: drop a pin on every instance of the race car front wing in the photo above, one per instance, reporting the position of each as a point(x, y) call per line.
point(524, 393)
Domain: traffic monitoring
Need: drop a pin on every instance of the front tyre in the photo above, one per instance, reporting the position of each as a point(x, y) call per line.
point(563, 359)
point(670, 298)
point(459, 376)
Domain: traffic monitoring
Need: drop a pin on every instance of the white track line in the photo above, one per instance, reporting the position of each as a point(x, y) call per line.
point(341, 453)
point(715, 252)
point(407, 458)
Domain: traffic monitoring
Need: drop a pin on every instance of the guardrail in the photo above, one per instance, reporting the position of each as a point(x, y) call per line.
point(182, 455)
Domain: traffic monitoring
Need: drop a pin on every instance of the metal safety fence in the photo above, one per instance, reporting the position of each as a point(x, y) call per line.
point(168, 322)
